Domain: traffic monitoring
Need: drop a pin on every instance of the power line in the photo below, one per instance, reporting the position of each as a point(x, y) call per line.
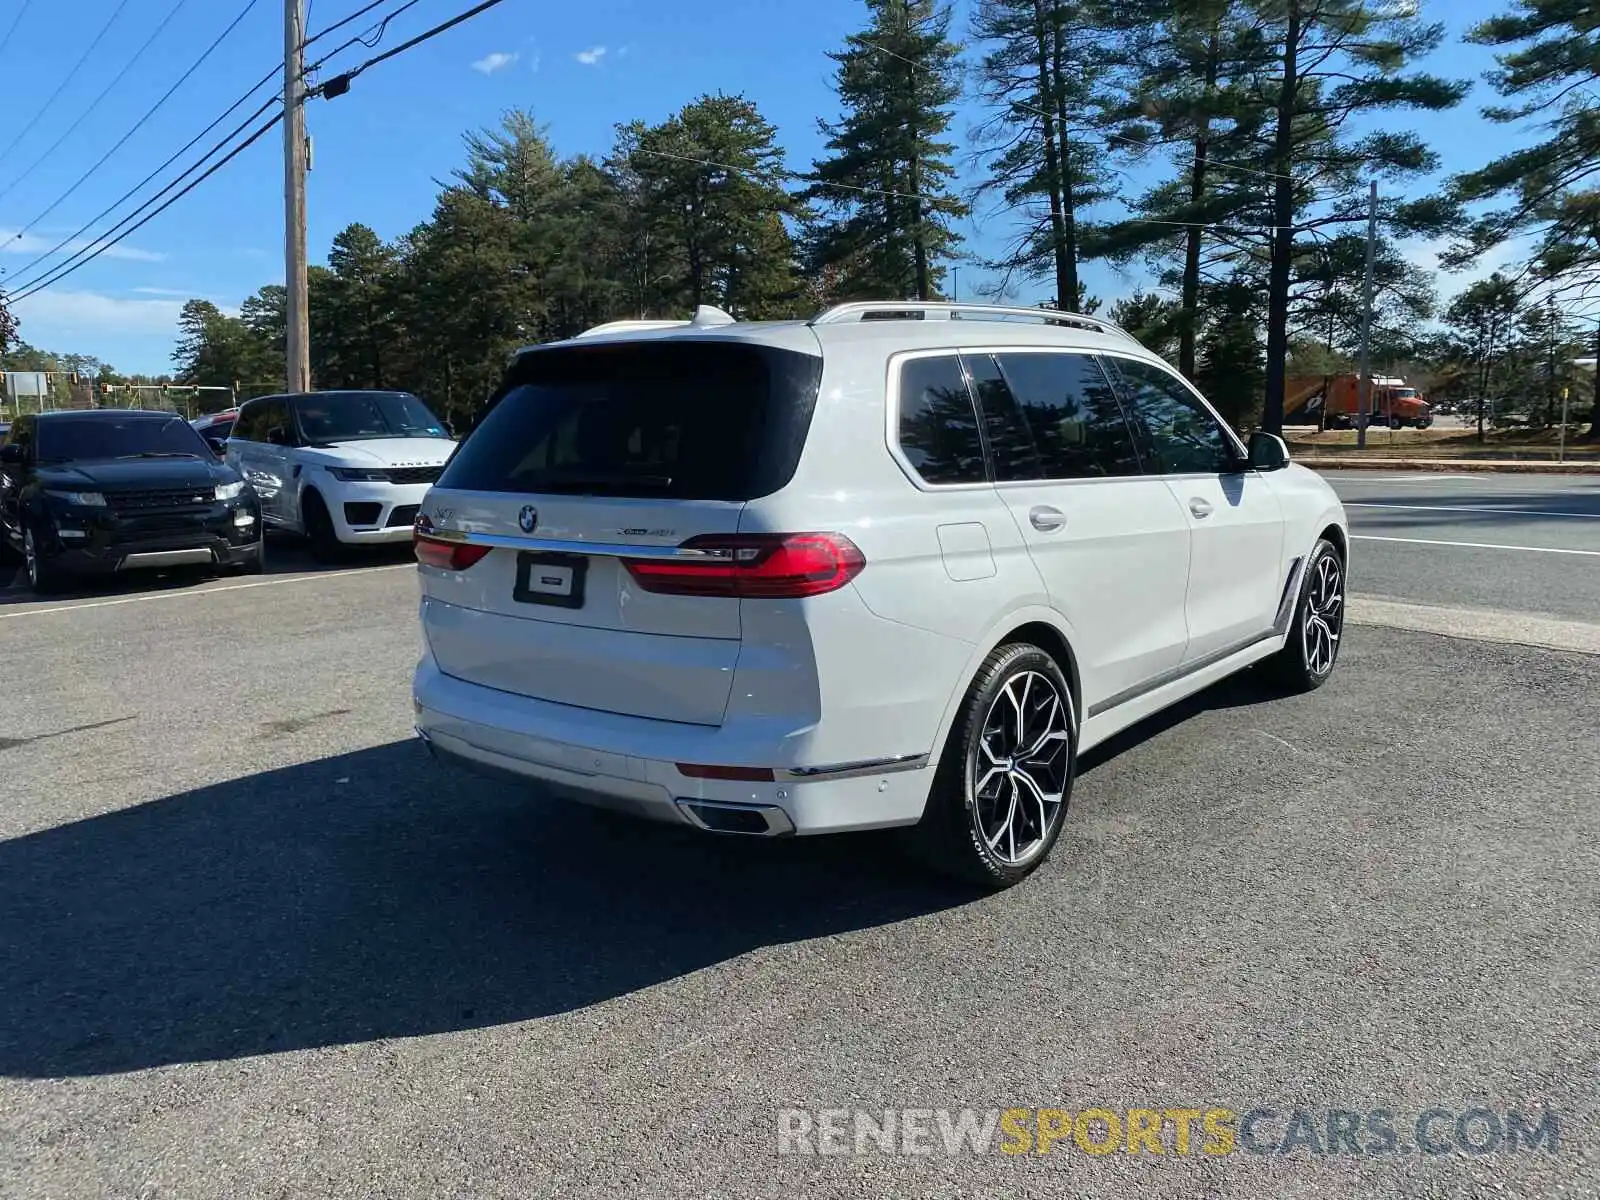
point(138, 125)
point(90, 251)
point(62, 86)
point(923, 196)
point(38, 287)
point(86, 250)
point(84, 115)
point(369, 37)
point(355, 16)
point(21, 12)
point(340, 84)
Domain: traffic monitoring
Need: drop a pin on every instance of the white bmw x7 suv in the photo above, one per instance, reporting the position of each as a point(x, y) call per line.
point(898, 565)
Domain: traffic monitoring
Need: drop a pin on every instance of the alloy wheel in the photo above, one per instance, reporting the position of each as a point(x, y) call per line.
point(1019, 768)
point(1324, 619)
point(30, 554)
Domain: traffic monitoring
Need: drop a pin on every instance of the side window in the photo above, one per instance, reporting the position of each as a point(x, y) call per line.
point(1073, 414)
point(247, 428)
point(1011, 447)
point(276, 418)
point(1178, 435)
point(938, 424)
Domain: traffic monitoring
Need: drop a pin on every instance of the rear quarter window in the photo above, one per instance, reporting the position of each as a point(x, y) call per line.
point(681, 419)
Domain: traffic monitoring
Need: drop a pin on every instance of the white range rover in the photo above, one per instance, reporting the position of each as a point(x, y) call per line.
point(345, 468)
point(898, 565)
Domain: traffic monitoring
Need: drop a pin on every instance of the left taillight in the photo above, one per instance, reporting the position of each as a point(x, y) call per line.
point(440, 552)
point(763, 566)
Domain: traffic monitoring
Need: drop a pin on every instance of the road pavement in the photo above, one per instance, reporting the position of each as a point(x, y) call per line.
point(253, 942)
point(1518, 543)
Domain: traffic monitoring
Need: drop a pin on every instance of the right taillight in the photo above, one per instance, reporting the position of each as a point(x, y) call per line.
point(754, 566)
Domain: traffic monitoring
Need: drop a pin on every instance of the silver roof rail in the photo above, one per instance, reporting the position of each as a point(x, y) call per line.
point(944, 310)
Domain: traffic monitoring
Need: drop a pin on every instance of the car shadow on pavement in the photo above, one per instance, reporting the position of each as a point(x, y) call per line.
point(285, 556)
point(375, 895)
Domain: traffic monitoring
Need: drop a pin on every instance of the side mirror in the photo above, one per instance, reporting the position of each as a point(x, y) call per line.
point(219, 446)
point(1268, 452)
point(12, 455)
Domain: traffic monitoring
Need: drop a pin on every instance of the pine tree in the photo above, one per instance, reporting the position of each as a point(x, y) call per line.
point(1549, 71)
point(709, 195)
point(1329, 66)
point(1046, 73)
point(1190, 91)
point(884, 192)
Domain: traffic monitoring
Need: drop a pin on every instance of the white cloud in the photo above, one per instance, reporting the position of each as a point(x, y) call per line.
point(592, 56)
point(36, 244)
point(94, 313)
point(534, 60)
point(155, 291)
point(490, 63)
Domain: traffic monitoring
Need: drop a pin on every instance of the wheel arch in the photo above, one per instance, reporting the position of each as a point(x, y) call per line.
point(1336, 534)
point(1040, 626)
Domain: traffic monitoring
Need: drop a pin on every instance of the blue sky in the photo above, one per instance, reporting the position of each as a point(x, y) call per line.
point(381, 149)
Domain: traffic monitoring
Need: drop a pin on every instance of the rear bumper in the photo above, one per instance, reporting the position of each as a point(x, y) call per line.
point(630, 763)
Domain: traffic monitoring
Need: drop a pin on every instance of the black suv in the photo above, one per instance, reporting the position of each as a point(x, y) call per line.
point(119, 490)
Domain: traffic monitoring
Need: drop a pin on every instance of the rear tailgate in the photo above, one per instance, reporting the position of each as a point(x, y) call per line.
point(592, 456)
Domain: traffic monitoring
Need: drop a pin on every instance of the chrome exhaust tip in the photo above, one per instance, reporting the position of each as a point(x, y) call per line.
point(745, 820)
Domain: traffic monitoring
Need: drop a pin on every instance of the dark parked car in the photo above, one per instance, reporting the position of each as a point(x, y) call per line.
point(103, 491)
point(216, 427)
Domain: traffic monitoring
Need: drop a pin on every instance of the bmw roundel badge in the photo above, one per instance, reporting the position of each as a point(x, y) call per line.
point(528, 518)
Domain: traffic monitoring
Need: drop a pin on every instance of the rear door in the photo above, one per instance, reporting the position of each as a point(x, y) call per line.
point(1112, 545)
point(260, 462)
point(1237, 570)
point(590, 457)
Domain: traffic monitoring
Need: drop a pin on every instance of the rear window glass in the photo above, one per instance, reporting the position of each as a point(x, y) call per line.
point(685, 420)
point(938, 425)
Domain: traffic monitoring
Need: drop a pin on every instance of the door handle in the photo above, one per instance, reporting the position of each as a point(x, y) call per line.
point(1200, 508)
point(1046, 519)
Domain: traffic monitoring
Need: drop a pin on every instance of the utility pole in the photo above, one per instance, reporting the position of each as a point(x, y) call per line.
point(1550, 317)
point(297, 337)
point(1365, 381)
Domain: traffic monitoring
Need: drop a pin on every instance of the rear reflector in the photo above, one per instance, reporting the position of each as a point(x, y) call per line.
point(754, 566)
point(447, 556)
point(745, 774)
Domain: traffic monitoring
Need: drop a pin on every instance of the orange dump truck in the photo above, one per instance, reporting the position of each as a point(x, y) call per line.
point(1334, 400)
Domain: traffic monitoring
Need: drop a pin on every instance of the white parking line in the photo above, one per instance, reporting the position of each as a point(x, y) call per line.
point(1470, 508)
point(212, 591)
point(1366, 537)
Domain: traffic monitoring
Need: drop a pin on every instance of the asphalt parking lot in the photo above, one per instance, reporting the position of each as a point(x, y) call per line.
point(253, 942)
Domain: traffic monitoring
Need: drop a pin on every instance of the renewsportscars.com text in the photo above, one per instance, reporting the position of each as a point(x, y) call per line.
point(1213, 1131)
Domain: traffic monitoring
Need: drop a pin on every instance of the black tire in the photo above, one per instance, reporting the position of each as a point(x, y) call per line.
point(41, 574)
point(1396, 423)
point(325, 544)
point(1306, 663)
point(256, 563)
point(954, 836)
